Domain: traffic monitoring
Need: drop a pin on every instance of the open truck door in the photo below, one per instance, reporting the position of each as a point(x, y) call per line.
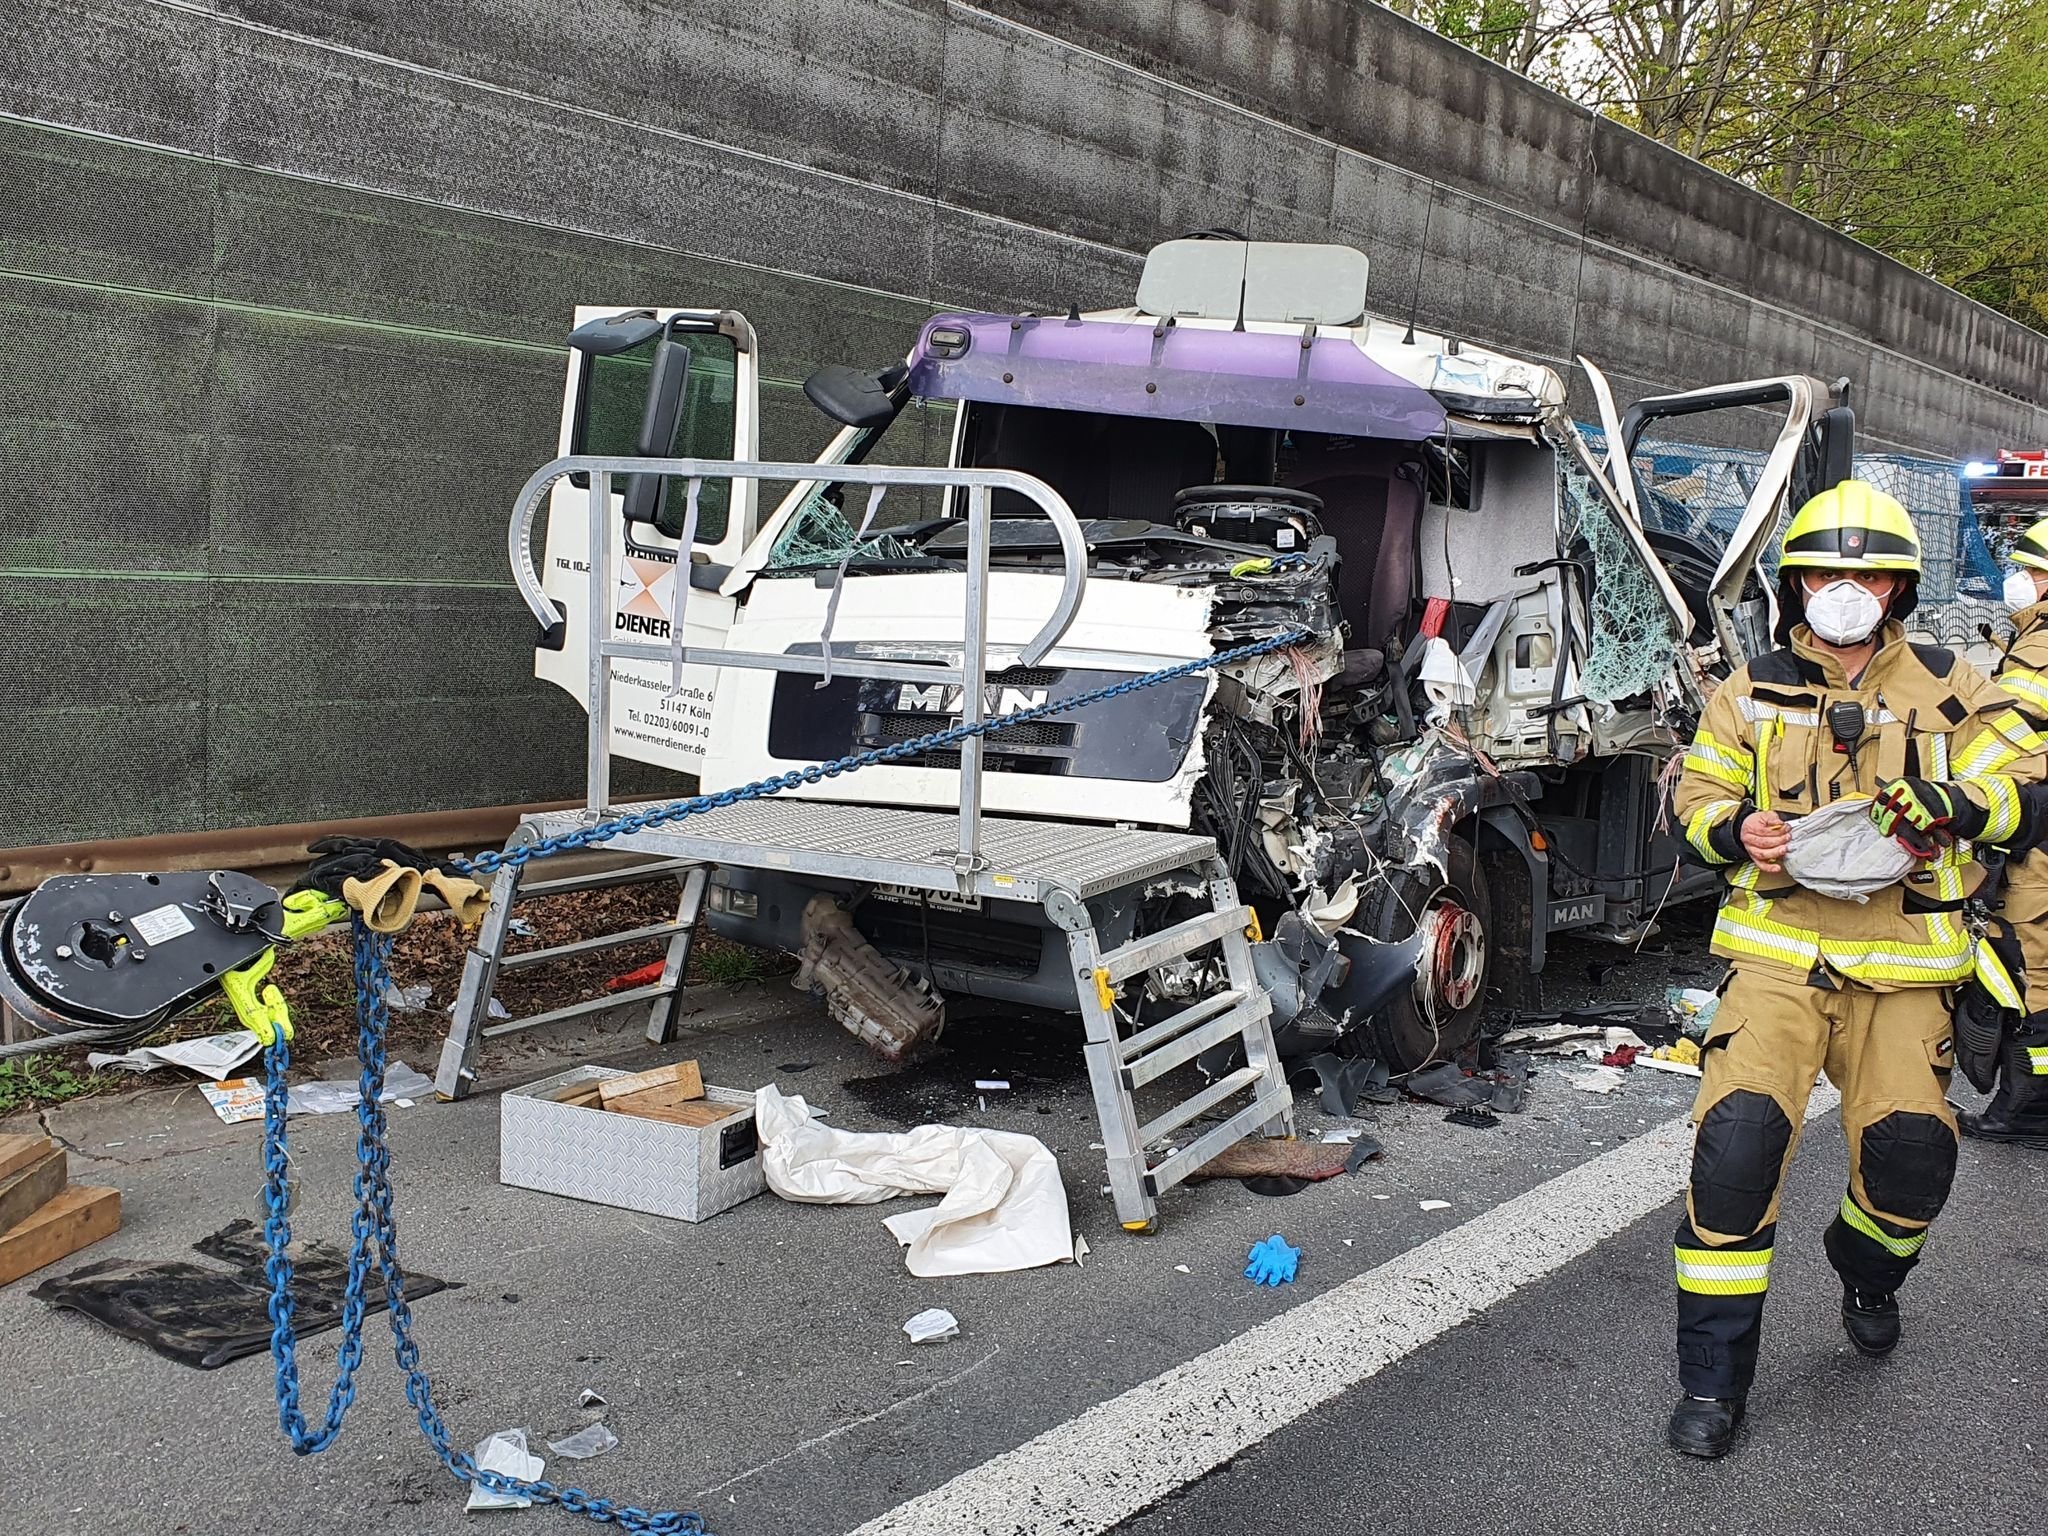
point(653, 383)
point(1719, 567)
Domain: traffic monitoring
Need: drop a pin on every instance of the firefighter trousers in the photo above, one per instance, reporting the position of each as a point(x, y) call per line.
point(1889, 1054)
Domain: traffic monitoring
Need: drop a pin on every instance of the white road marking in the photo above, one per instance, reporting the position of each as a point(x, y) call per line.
point(1122, 1456)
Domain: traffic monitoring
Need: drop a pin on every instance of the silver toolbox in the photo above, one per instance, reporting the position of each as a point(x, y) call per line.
point(685, 1171)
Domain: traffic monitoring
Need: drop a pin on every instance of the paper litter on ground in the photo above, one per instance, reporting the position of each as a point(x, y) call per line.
point(1003, 1208)
point(932, 1325)
point(1436, 1205)
point(1599, 1080)
point(591, 1440)
point(235, 1100)
point(330, 1096)
point(215, 1056)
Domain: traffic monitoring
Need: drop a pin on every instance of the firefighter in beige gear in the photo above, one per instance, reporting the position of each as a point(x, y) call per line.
point(1847, 708)
point(2003, 1041)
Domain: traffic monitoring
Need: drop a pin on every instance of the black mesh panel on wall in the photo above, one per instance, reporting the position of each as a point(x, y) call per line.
point(264, 434)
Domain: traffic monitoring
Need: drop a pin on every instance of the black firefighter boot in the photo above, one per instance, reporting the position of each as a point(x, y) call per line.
point(2018, 1112)
point(1705, 1426)
point(1872, 1321)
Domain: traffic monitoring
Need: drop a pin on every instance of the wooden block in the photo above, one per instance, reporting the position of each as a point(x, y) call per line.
point(665, 1096)
point(17, 1152)
point(24, 1193)
point(80, 1216)
point(583, 1095)
point(698, 1112)
point(682, 1072)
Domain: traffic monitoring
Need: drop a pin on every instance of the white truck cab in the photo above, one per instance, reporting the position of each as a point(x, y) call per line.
point(1490, 659)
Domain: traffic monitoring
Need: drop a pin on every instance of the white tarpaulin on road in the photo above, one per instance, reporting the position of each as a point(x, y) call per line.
point(1004, 1206)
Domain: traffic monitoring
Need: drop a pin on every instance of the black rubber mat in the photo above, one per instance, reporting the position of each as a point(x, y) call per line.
point(204, 1317)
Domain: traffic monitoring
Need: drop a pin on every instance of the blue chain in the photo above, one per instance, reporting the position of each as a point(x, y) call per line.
point(656, 816)
point(375, 1224)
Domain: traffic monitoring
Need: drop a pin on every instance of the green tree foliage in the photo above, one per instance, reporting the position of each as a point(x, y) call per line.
point(1917, 126)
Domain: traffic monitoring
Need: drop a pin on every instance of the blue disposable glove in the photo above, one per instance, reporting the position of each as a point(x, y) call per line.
point(1272, 1262)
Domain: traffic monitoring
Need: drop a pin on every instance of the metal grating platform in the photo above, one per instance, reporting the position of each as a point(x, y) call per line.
point(910, 847)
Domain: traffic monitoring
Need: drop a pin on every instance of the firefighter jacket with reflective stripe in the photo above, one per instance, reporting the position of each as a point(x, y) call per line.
point(1766, 744)
point(2023, 674)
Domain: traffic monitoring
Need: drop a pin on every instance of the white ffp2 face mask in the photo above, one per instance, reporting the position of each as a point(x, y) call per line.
point(2020, 591)
point(1842, 613)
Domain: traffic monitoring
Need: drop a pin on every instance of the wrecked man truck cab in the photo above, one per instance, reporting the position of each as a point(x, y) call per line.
point(1457, 755)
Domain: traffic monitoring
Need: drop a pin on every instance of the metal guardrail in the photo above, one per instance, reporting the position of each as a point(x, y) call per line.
point(971, 675)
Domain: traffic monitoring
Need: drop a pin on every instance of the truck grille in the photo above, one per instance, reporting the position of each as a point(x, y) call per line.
point(958, 938)
point(1032, 733)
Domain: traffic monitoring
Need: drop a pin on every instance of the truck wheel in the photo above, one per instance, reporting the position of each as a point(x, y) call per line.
point(1436, 1018)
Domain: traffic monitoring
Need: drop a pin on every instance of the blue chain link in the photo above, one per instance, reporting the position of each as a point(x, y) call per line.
point(656, 816)
point(375, 1224)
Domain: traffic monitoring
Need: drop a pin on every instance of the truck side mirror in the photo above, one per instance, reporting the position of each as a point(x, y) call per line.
point(665, 392)
point(854, 398)
point(1834, 441)
point(1826, 458)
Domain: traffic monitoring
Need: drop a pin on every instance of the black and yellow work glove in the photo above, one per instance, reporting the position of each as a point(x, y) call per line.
point(381, 878)
point(1923, 813)
point(337, 860)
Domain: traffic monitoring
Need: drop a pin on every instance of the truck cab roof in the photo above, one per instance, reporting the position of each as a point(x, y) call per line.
point(1240, 333)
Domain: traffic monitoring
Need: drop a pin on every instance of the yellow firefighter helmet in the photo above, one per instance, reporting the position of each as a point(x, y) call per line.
point(1853, 526)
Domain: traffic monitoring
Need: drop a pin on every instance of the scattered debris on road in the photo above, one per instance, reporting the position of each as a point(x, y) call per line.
point(591, 1440)
point(1272, 1262)
point(932, 1325)
point(504, 1452)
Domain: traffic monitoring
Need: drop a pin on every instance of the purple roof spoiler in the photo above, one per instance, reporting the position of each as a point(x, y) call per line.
point(1132, 368)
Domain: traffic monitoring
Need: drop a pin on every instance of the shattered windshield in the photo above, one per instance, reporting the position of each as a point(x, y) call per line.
point(820, 536)
point(1634, 635)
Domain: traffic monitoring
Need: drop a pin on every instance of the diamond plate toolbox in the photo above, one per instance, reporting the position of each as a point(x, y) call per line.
point(685, 1171)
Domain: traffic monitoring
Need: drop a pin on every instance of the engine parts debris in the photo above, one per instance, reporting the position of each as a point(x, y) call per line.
point(1347, 1082)
point(1364, 1150)
point(876, 1000)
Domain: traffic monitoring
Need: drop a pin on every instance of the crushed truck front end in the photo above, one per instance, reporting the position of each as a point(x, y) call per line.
point(1454, 752)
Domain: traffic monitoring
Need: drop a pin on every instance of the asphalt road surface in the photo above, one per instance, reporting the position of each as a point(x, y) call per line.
point(1500, 1363)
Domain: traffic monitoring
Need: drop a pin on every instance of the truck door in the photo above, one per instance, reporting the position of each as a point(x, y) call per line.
point(663, 383)
point(1710, 516)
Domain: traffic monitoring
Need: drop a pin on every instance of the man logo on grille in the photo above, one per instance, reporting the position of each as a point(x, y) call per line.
point(938, 698)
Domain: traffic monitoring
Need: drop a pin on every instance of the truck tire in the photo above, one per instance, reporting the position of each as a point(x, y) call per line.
point(1438, 1017)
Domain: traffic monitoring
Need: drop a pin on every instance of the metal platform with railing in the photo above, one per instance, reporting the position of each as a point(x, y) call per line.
point(1063, 867)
